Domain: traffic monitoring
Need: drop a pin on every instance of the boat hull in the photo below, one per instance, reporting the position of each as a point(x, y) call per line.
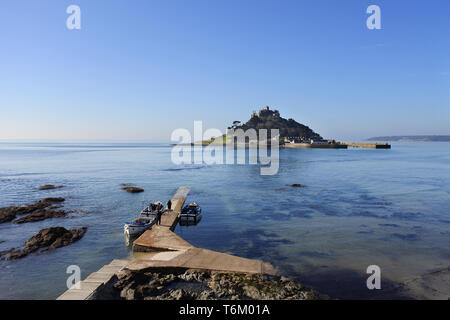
point(132, 229)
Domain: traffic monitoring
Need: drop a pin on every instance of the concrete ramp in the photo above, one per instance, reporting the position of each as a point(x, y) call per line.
point(198, 258)
point(159, 238)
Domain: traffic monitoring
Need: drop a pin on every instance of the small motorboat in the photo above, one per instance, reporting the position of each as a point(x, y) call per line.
point(190, 213)
point(139, 225)
point(145, 221)
point(152, 209)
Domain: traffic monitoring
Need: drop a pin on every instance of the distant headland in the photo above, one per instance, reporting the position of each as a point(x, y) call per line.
point(430, 138)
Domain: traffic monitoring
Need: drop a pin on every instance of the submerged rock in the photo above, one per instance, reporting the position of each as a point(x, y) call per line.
point(10, 213)
point(46, 239)
point(132, 189)
point(298, 185)
point(177, 284)
point(50, 187)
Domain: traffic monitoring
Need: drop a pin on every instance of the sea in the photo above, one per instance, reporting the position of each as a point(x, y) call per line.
point(358, 208)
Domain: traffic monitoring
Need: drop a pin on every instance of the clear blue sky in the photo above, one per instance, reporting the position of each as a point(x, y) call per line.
point(139, 69)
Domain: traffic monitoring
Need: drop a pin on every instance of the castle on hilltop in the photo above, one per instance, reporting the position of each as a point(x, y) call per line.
point(266, 112)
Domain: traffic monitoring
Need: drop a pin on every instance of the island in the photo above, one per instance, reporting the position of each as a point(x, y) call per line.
point(292, 134)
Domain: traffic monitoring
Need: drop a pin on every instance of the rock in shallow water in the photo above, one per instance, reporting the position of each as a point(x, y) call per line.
point(46, 239)
point(132, 189)
point(9, 213)
point(49, 187)
point(41, 215)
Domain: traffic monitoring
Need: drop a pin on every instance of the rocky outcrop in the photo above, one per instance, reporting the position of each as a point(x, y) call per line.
point(10, 213)
point(46, 239)
point(132, 189)
point(41, 215)
point(7, 214)
point(203, 285)
point(49, 187)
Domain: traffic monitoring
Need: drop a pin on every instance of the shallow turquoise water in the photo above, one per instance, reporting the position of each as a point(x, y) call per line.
point(360, 207)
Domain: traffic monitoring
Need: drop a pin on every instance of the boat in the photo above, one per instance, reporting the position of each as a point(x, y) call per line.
point(139, 225)
point(152, 209)
point(190, 213)
point(146, 220)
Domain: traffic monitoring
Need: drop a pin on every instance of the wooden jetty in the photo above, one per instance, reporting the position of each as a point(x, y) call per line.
point(159, 248)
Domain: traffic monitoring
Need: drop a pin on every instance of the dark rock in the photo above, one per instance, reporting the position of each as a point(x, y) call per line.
point(46, 239)
point(297, 185)
point(132, 189)
point(49, 187)
point(53, 200)
point(41, 215)
point(7, 214)
point(10, 213)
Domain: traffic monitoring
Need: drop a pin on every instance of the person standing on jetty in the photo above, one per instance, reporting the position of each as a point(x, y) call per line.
point(169, 205)
point(158, 217)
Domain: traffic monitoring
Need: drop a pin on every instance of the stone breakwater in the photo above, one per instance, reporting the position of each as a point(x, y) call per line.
point(191, 284)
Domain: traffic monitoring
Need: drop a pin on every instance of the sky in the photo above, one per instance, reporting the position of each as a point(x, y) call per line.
point(137, 70)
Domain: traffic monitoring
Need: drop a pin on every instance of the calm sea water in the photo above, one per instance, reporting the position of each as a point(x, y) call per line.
point(360, 207)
